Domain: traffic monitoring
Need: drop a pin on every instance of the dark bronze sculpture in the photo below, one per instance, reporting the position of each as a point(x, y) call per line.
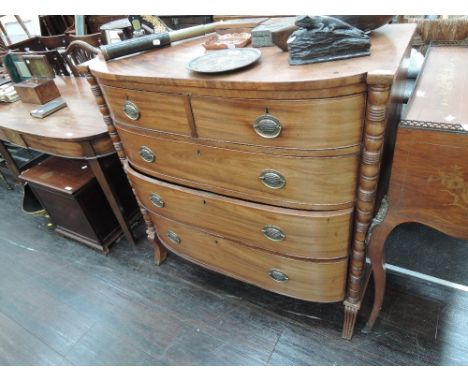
point(323, 38)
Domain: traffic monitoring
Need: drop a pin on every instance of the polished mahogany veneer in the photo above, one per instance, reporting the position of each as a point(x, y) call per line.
point(268, 174)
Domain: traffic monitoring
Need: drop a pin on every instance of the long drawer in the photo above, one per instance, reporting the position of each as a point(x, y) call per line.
point(303, 182)
point(302, 279)
point(304, 124)
point(158, 111)
point(297, 233)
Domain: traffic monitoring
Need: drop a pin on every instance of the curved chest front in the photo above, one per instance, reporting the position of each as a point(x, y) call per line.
point(273, 180)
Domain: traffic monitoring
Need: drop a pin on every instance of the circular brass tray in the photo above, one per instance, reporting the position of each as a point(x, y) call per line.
point(224, 60)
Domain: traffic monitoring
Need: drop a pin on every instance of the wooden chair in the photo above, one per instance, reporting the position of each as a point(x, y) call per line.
point(78, 52)
point(94, 39)
point(54, 42)
point(32, 43)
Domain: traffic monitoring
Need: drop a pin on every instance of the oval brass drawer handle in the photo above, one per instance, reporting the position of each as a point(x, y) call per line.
point(273, 233)
point(146, 154)
point(173, 237)
point(156, 200)
point(267, 126)
point(272, 179)
point(131, 110)
point(278, 276)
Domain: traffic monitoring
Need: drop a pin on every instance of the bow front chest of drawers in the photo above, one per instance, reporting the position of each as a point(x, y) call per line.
point(269, 174)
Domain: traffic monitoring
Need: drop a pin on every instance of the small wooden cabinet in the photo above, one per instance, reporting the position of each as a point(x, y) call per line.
point(268, 174)
point(77, 206)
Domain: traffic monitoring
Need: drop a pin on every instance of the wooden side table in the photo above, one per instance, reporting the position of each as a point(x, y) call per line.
point(429, 179)
point(75, 132)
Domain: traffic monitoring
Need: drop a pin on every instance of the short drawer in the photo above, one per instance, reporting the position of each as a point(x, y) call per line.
point(157, 111)
point(302, 279)
point(304, 182)
point(297, 233)
point(303, 124)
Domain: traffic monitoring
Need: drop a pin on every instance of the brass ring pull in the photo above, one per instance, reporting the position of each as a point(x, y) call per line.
point(146, 154)
point(131, 110)
point(273, 233)
point(156, 200)
point(278, 276)
point(267, 126)
point(173, 237)
point(272, 179)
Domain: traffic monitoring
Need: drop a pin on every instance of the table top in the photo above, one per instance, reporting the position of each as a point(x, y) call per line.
point(168, 66)
point(80, 120)
point(441, 93)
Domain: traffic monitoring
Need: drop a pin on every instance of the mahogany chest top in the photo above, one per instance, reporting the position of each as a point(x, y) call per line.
point(169, 66)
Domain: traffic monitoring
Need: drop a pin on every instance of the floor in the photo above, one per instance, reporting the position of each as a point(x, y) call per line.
point(62, 303)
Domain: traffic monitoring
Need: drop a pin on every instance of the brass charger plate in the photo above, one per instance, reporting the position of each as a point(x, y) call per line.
point(224, 60)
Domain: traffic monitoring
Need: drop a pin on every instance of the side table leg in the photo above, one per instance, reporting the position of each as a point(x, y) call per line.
point(111, 197)
point(10, 162)
point(375, 251)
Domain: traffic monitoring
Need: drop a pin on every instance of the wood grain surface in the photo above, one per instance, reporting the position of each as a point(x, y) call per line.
point(159, 111)
point(311, 281)
point(63, 133)
point(169, 66)
point(79, 120)
point(65, 176)
point(306, 124)
point(323, 183)
point(441, 94)
point(312, 235)
point(429, 182)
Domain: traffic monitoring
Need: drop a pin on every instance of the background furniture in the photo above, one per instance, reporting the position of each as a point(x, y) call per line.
point(2, 175)
point(429, 180)
point(269, 174)
point(76, 132)
point(77, 53)
point(436, 28)
point(71, 195)
point(55, 47)
point(4, 32)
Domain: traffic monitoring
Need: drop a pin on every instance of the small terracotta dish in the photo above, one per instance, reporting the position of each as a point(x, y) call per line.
point(230, 40)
